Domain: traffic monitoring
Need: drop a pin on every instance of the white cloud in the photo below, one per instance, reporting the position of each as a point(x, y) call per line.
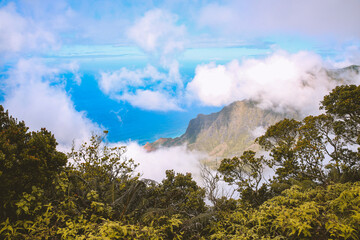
point(73, 67)
point(258, 131)
point(348, 56)
point(335, 18)
point(281, 81)
point(78, 22)
point(34, 94)
point(174, 76)
point(160, 36)
point(22, 34)
point(157, 33)
point(120, 85)
point(121, 80)
point(213, 85)
point(154, 164)
point(151, 100)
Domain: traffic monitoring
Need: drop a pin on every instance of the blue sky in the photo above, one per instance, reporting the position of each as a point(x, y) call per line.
point(165, 61)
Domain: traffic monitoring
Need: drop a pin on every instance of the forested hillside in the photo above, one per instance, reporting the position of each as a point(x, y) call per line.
point(94, 193)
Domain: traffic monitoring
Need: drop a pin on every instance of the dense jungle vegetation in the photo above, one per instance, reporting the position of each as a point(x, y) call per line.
point(94, 192)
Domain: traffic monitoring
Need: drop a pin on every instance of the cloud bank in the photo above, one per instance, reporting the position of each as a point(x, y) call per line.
point(281, 81)
point(154, 164)
point(35, 94)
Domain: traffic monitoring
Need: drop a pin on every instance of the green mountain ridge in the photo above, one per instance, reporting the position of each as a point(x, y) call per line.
point(225, 133)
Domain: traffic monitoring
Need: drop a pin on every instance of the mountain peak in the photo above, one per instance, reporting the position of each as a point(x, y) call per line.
point(225, 133)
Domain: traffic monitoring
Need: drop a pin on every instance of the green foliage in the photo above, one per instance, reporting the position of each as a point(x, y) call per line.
point(98, 195)
point(298, 149)
point(280, 139)
point(305, 204)
point(177, 195)
point(320, 213)
point(344, 102)
point(343, 105)
point(247, 173)
point(27, 159)
point(181, 193)
point(102, 178)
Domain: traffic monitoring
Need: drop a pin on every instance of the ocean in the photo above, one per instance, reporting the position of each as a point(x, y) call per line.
point(125, 122)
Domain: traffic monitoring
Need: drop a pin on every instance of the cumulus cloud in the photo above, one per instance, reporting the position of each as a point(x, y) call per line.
point(18, 33)
point(133, 86)
point(123, 79)
point(33, 93)
point(157, 32)
point(335, 18)
point(281, 81)
point(154, 164)
point(159, 35)
point(151, 100)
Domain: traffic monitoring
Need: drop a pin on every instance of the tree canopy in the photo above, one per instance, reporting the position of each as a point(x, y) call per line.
point(94, 192)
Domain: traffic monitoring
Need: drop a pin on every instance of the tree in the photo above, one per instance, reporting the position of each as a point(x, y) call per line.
point(343, 102)
point(247, 173)
point(27, 159)
point(105, 172)
point(315, 142)
point(280, 139)
point(343, 105)
point(330, 212)
point(182, 194)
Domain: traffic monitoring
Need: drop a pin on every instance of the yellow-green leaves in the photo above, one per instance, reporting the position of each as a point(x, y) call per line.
point(320, 213)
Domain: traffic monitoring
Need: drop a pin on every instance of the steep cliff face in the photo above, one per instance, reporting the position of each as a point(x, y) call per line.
point(225, 133)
